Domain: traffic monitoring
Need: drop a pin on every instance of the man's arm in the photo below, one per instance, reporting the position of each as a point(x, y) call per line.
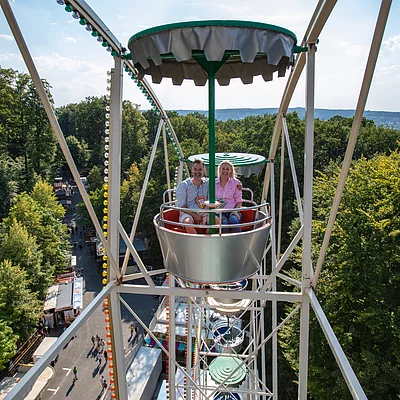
point(181, 195)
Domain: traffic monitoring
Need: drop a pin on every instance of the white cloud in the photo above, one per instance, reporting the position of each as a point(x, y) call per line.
point(6, 37)
point(10, 56)
point(70, 39)
point(58, 65)
point(392, 44)
point(354, 50)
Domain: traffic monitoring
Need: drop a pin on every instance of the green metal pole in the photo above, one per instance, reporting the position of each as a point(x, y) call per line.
point(211, 136)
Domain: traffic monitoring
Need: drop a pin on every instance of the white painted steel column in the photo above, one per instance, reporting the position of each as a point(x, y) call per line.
point(293, 169)
point(274, 302)
point(362, 99)
point(171, 342)
point(166, 162)
point(306, 259)
point(317, 23)
point(24, 386)
point(114, 184)
point(278, 246)
point(263, 356)
point(345, 368)
point(253, 329)
point(189, 348)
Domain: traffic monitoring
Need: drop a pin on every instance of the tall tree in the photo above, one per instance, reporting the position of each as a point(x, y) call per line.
point(79, 151)
point(20, 308)
point(90, 125)
point(25, 132)
point(134, 131)
point(9, 172)
point(8, 344)
point(41, 215)
point(359, 283)
point(20, 248)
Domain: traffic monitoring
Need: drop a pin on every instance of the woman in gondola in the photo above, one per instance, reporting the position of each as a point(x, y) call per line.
point(228, 191)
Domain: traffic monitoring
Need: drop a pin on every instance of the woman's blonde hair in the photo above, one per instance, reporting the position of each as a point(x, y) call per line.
point(232, 172)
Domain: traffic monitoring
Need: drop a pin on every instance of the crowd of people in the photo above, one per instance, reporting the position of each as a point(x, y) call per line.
point(193, 194)
point(99, 353)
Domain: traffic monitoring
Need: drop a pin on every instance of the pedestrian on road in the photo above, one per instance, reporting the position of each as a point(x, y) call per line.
point(102, 380)
point(93, 340)
point(104, 385)
point(131, 327)
point(102, 343)
point(75, 371)
point(99, 357)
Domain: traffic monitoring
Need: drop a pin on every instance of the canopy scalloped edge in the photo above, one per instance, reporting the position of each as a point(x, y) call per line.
point(261, 51)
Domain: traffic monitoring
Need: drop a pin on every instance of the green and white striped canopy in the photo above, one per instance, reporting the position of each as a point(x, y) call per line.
point(245, 164)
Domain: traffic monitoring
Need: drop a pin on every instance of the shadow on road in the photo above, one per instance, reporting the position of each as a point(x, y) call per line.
point(70, 389)
point(95, 371)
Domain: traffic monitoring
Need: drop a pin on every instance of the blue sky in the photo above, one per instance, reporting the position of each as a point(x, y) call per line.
point(76, 65)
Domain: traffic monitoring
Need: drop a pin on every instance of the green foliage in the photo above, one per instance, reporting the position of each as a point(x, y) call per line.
point(130, 193)
point(96, 198)
point(90, 118)
point(19, 307)
point(66, 119)
point(134, 131)
point(79, 151)
point(8, 344)
point(24, 128)
point(41, 215)
point(9, 171)
point(190, 127)
point(360, 282)
point(95, 178)
point(20, 248)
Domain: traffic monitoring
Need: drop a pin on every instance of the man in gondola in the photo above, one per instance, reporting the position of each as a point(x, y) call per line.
point(192, 193)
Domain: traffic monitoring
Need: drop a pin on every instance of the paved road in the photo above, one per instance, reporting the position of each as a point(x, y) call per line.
point(79, 352)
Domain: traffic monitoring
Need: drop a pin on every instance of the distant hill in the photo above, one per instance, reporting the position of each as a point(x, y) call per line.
point(385, 118)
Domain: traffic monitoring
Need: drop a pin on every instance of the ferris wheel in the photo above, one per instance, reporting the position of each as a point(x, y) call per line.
point(210, 328)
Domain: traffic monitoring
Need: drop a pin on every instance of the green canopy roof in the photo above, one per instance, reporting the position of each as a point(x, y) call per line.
point(244, 49)
point(221, 370)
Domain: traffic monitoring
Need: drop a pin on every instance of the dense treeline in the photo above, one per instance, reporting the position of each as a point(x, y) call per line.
point(359, 283)
point(34, 244)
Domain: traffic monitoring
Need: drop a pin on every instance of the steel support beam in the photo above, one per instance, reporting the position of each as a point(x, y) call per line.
point(114, 189)
point(306, 265)
point(345, 368)
point(320, 16)
point(362, 99)
point(24, 386)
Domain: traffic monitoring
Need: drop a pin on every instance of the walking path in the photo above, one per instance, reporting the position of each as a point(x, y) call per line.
point(80, 352)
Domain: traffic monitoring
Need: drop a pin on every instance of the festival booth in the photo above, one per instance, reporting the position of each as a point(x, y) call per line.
point(64, 301)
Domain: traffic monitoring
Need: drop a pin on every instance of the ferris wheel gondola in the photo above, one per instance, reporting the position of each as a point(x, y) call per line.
point(190, 51)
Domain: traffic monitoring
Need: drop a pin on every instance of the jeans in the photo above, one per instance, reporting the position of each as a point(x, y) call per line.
point(231, 218)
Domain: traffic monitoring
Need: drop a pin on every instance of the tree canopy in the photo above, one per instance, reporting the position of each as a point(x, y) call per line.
point(359, 283)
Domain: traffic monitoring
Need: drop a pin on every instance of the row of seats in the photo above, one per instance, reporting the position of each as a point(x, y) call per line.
point(173, 216)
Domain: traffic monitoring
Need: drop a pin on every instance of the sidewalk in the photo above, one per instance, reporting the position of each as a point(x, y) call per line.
point(79, 351)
